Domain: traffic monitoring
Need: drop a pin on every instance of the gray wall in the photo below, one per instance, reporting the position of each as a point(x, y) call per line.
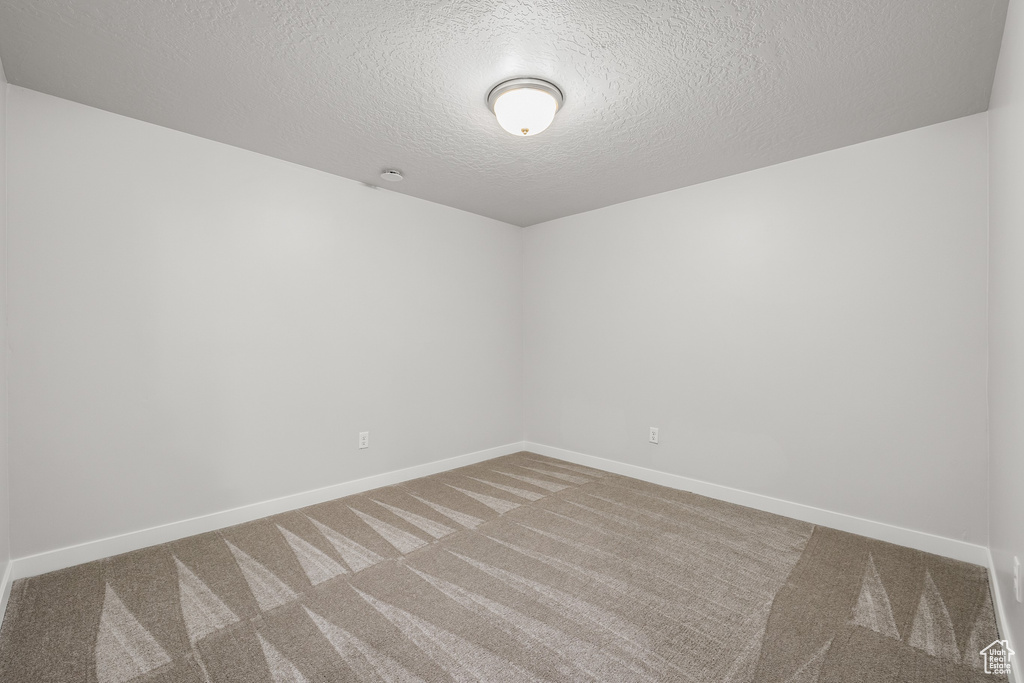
point(5, 512)
point(195, 327)
point(813, 331)
point(1006, 317)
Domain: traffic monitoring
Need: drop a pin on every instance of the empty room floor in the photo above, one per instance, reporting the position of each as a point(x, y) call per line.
point(520, 568)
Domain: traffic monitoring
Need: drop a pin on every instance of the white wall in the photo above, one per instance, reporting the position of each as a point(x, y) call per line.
point(1006, 317)
point(195, 327)
point(813, 331)
point(5, 516)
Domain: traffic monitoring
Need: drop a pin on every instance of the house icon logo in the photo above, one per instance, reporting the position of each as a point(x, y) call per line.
point(997, 658)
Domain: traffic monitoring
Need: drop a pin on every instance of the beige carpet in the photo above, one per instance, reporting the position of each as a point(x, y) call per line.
point(522, 568)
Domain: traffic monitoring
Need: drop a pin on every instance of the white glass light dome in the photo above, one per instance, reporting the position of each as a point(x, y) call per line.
point(525, 106)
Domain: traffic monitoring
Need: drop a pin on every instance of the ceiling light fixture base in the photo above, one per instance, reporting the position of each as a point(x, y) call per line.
point(517, 83)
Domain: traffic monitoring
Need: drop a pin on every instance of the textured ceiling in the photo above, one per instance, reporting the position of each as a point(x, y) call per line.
point(659, 94)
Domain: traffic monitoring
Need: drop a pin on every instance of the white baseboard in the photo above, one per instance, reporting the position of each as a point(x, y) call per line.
point(94, 550)
point(919, 540)
point(5, 590)
point(1001, 620)
point(52, 560)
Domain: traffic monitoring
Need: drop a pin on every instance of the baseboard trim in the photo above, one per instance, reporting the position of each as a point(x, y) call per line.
point(5, 590)
point(919, 540)
point(1001, 620)
point(70, 556)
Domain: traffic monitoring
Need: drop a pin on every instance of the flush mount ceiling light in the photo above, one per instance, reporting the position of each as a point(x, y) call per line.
point(525, 106)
